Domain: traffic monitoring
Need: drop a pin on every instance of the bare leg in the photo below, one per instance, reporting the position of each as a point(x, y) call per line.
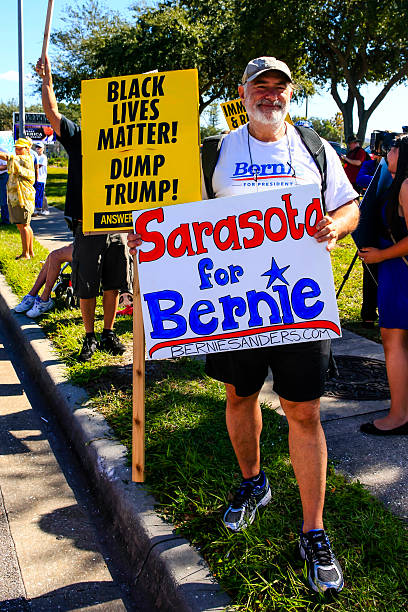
point(395, 342)
point(308, 453)
point(25, 237)
point(30, 236)
point(244, 424)
point(55, 260)
point(40, 280)
point(88, 306)
point(110, 306)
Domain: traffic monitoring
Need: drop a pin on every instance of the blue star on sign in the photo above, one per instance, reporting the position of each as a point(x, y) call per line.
point(275, 273)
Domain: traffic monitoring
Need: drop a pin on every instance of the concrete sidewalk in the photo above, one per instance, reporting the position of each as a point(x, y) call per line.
point(51, 231)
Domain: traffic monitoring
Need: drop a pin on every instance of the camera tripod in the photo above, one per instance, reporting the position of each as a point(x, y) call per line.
point(348, 272)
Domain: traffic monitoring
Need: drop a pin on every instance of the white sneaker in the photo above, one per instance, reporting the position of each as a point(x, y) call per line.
point(39, 308)
point(45, 212)
point(26, 303)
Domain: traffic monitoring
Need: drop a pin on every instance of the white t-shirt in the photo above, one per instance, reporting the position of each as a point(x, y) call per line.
point(276, 164)
point(42, 172)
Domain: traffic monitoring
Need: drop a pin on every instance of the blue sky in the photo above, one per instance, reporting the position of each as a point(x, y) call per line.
point(391, 114)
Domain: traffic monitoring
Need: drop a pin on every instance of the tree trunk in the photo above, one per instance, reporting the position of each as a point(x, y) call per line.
point(348, 116)
point(362, 127)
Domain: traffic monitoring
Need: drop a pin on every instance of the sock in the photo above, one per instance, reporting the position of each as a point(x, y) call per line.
point(90, 335)
point(107, 332)
point(255, 480)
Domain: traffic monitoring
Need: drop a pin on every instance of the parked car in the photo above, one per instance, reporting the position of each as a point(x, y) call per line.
point(338, 148)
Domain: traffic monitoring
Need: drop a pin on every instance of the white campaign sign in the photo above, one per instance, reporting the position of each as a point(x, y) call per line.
point(235, 273)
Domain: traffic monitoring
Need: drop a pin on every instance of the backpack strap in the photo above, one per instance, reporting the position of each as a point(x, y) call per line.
point(210, 153)
point(315, 146)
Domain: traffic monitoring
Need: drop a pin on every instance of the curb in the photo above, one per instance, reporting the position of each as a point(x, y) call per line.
point(172, 572)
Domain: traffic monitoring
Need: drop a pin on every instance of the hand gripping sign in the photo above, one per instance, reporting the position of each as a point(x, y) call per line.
point(235, 273)
point(140, 145)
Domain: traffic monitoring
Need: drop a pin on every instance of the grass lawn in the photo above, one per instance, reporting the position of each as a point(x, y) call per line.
point(191, 468)
point(56, 186)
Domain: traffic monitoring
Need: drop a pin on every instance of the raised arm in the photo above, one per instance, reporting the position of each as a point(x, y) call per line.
point(49, 100)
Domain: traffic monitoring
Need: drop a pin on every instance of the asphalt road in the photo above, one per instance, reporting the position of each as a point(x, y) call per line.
point(57, 549)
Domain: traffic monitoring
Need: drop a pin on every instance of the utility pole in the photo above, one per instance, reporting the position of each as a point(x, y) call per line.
point(21, 109)
point(307, 104)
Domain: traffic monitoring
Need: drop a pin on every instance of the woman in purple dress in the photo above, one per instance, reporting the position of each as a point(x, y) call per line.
point(392, 257)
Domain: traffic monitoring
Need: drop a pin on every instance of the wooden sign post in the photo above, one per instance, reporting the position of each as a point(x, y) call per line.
point(47, 29)
point(138, 420)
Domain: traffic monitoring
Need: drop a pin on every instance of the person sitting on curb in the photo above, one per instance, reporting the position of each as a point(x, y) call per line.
point(34, 305)
point(21, 193)
point(97, 260)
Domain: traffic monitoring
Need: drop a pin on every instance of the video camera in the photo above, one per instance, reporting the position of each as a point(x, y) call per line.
point(381, 141)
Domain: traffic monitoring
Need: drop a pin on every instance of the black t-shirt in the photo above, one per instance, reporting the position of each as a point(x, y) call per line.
point(71, 140)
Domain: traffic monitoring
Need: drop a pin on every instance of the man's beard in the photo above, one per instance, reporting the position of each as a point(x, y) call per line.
point(273, 116)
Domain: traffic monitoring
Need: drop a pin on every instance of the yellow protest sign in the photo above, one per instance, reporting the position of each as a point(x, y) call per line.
point(236, 115)
point(140, 146)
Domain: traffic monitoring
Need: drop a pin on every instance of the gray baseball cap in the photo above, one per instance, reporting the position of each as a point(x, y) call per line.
point(262, 64)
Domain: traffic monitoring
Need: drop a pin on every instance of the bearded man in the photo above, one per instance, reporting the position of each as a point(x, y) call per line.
point(268, 153)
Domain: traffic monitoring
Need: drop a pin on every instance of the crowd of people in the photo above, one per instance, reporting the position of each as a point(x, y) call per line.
point(299, 370)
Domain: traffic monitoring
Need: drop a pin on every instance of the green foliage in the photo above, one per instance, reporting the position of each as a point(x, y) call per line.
point(208, 130)
point(61, 162)
point(210, 121)
point(96, 42)
point(6, 114)
point(326, 128)
point(72, 110)
point(56, 186)
point(20, 273)
point(349, 43)
point(8, 108)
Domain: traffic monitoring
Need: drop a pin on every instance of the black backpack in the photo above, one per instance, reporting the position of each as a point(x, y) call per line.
point(311, 139)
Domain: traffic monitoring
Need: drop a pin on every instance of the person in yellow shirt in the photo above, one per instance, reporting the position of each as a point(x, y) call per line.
point(21, 193)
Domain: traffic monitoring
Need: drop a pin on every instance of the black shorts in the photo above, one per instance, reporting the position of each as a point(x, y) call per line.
point(299, 370)
point(99, 260)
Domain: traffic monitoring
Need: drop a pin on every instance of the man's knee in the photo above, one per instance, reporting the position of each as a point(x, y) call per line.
point(60, 256)
point(302, 413)
point(236, 402)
